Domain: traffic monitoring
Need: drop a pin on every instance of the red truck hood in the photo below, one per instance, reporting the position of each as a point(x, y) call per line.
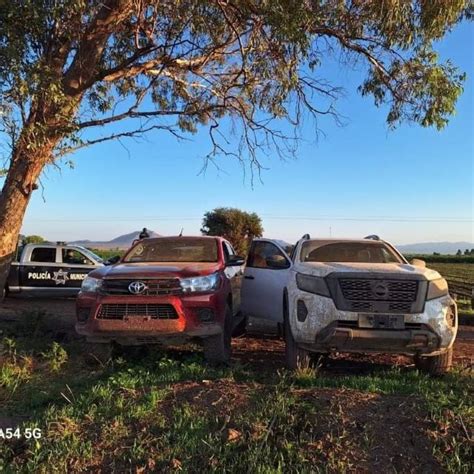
point(154, 270)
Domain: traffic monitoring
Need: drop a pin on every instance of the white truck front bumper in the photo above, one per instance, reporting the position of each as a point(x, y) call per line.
point(325, 328)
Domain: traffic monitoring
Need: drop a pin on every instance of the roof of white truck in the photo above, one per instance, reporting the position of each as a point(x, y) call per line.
point(51, 244)
point(335, 240)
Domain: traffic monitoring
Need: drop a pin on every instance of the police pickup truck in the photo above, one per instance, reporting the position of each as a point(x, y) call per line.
point(50, 269)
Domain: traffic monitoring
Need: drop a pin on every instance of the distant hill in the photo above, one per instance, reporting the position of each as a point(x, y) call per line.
point(445, 248)
point(120, 242)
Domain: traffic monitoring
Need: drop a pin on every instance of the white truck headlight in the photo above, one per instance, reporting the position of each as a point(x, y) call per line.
point(437, 289)
point(312, 284)
point(91, 284)
point(200, 284)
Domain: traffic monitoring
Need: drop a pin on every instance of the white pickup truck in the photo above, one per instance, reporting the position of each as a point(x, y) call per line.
point(50, 270)
point(354, 295)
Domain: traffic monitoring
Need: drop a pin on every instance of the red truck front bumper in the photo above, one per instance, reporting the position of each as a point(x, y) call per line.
point(139, 320)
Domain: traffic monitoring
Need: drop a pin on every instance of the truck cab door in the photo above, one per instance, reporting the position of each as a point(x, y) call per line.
point(75, 265)
point(234, 274)
point(265, 278)
point(37, 268)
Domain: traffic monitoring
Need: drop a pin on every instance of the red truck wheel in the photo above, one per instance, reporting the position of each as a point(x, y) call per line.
point(217, 349)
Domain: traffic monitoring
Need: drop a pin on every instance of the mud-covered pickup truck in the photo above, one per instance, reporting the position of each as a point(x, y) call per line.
point(50, 270)
point(353, 295)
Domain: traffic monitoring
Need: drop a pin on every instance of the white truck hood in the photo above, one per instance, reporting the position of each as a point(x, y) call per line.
point(324, 269)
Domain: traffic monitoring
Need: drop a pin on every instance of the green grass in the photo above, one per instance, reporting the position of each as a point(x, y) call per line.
point(465, 307)
point(434, 259)
point(169, 411)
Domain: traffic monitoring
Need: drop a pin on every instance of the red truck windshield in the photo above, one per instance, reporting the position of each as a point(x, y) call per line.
point(174, 250)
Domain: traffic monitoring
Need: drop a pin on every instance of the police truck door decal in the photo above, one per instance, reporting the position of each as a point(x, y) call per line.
point(46, 278)
point(60, 277)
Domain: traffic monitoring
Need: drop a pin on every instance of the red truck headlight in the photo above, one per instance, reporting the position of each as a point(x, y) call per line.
point(200, 284)
point(91, 284)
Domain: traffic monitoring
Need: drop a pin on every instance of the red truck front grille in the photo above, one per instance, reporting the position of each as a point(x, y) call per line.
point(155, 287)
point(130, 310)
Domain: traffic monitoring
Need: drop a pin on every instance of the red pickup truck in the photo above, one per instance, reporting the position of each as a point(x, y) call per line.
point(166, 290)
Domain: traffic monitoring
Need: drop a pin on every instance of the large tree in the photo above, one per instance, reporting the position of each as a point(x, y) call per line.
point(70, 66)
point(238, 227)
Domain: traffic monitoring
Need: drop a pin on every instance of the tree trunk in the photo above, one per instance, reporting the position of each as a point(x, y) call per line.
point(25, 169)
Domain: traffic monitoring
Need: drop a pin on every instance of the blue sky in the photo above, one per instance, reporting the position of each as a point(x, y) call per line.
point(408, 185)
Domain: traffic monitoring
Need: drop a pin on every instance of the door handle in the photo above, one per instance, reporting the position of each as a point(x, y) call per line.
point(249, 277)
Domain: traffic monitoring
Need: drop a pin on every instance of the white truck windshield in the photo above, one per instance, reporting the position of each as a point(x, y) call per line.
point(353, 252)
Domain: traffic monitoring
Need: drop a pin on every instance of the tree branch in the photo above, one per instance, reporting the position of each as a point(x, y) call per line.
point(91, 47)
point(115, 136)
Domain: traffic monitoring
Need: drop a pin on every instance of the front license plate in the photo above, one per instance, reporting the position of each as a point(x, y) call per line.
point(133, 317)
point(382, 321)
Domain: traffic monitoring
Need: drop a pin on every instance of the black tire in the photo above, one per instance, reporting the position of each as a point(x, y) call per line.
point(218, 349)
point(3, 294)
point(241, 327)
point(435, 365)
point(295, 356)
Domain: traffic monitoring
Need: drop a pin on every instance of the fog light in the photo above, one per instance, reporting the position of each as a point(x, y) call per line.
point(301, 311)
point(83, 314)
point(451, 315)
point(206, 315)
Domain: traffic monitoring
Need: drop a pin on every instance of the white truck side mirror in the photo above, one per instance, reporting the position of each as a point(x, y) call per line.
point(416, 262)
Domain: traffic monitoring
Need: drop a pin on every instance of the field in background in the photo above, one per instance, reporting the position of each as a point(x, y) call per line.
point(460, 277)
point(107, 253)
point(458, 270)
point(442, 258)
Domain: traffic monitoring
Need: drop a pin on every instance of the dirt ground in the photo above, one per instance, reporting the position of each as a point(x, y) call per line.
point(261, 347)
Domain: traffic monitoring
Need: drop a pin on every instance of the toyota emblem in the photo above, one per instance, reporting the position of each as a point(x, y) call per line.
point(137, 287)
